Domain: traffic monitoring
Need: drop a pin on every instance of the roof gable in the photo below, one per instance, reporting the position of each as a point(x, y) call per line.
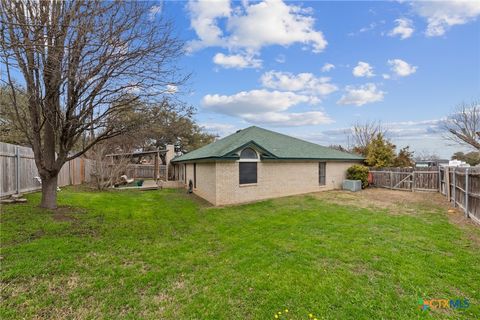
point(276, 146)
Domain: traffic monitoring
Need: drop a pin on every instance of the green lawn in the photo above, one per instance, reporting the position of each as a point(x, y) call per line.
point(166, 255)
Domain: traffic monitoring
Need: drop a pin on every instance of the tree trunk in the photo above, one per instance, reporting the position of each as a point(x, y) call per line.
point(49, 192)
point(49, 178)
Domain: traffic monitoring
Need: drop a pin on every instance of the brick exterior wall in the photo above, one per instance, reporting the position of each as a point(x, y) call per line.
point(276, 179)
point(206, 180)
point(218, 182)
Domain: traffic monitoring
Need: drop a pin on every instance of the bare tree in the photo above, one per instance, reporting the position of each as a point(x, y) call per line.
point(83, 62)
point(426, 155)
point(106, 170)
point(9, 131)
point(463, 126)
point(362, 133)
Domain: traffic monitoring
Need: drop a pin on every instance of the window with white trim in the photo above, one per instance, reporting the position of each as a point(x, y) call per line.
point(248, 166)
point(248, 153)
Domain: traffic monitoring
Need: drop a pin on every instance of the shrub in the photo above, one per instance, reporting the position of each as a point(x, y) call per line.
point(380, 152)
point(358, 172)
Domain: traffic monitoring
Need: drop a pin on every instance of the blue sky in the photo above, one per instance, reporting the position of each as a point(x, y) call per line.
point(311, 69)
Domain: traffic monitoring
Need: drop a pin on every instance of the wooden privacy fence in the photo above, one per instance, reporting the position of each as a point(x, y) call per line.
point(461, 186)
point(18, 171)
point(146, 171)
point(418, 179)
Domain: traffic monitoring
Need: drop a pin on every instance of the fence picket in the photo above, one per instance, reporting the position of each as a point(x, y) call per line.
point(454, 188)
point(466, 193)
point(17, 169)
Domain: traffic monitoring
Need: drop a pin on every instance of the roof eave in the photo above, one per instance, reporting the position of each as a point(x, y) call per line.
point(319, 159)
point(269, 159)
point(205, 158)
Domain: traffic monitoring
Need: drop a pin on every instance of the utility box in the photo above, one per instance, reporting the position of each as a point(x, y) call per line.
point(352, 185)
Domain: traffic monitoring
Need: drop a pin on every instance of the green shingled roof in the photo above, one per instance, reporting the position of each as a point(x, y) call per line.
point(273, 145)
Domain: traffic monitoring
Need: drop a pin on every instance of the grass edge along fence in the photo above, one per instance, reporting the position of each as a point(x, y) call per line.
point(461, 186)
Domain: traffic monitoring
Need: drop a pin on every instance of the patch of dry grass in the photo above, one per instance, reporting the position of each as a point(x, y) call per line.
point(403, 203)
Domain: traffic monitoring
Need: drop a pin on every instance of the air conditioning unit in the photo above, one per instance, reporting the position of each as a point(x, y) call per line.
point(352, 185)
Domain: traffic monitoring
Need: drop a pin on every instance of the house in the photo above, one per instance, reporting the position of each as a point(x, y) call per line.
point(255, 163)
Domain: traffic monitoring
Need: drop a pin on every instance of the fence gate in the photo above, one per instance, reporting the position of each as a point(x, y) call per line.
point(409, 179)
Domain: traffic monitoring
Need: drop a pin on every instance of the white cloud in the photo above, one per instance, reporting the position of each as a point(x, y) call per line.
point(237, 61)
point(327, 67)
point(404, 28)
point(441, 15)
point(293, 119)
point(221, 129)
point(171, 89)
point(370, 27)
point(265, 107)
point(401, 129)
point(274, 22)
point(415, 129)
point(281, 58)
point(422, 136)
point(360, 95)
point(203, 19)
point(363, 69)
point(133, 88)
point(253, 102)
point(401, 68)
point(252, 26)
point(305, 83)
point(153, 11)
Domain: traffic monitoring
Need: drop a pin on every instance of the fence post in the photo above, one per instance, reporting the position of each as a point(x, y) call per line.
point(454, 187)
point(70, 172)
point(413, 180)
point(440, 179)
point(391, 180)
point(17, 168)
point(466, 193)
point(82, 170)
point(446, 176)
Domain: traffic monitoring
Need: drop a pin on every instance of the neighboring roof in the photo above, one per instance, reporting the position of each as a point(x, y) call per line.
point(274, 145)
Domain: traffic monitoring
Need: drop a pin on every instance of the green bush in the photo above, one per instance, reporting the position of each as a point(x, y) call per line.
point(358, 172)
